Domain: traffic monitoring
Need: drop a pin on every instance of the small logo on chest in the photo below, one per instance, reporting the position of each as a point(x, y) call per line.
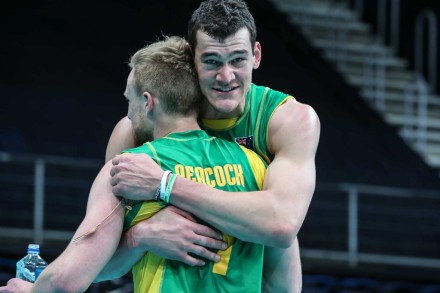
point(247, 142)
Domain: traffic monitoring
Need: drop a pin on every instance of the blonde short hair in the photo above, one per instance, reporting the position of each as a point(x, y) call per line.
point(165, 69)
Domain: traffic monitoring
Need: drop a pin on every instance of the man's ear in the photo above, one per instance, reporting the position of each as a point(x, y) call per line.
point(257, 55)
point(149, 102)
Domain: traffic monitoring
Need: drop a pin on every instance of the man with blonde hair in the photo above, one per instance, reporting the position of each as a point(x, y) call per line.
point(164, 97)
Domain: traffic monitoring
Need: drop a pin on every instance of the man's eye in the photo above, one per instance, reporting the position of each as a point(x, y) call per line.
point(211, 62)
point(238, 60)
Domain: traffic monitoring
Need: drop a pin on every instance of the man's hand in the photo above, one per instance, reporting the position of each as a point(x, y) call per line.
point(174, 234)
point(15, 285)
point(135, 176)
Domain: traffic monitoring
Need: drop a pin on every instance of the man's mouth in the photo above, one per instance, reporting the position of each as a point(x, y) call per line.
point(225, 89)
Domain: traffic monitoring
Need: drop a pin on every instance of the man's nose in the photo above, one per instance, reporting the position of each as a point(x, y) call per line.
point(225, 74)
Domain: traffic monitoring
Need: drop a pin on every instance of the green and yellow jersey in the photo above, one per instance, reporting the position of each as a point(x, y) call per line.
point(220, 164)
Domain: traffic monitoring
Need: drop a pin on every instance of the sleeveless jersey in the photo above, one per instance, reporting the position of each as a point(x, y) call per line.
point(220, 164)
point(251, 128)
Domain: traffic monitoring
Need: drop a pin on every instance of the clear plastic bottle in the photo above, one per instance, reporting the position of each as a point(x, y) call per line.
point(30, 266)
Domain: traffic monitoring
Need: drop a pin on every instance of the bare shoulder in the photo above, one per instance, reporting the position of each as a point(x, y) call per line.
point(296, 113)
point(294, 124)
point(122, 138)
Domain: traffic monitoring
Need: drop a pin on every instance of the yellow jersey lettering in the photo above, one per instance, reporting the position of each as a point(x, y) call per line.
point(199, 175)
point(219, 176)
point(239, 174)
point(208, 173)
point(229, 179)
point(230, 174)
point(189, 172)
point(179, 170)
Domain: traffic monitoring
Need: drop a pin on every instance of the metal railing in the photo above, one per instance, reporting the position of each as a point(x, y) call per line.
point(385, 19)
point(353, 255)
point(416, 113)
point(374, 75)
point(38, 232)
point(403, 97)
point(428, 16)
point(389, 19)
point(353, 192)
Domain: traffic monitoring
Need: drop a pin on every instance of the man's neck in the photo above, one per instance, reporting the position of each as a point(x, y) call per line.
point(176, 124)
point(209, 112)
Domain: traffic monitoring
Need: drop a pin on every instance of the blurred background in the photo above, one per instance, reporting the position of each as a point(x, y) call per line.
point(368, 68)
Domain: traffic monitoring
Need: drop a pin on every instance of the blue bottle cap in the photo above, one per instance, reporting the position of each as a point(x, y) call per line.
point(33, 248)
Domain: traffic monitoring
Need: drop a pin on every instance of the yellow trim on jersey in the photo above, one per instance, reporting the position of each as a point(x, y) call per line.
point(267, 130)
point(148, 273)
point(186, 139)
point(153, 151)
point(257, 165)
point(257, 129)
point(147, 210)
point(220, 124)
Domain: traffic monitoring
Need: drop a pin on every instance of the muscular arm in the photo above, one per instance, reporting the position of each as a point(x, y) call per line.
point(75, 269)
point(287, 190)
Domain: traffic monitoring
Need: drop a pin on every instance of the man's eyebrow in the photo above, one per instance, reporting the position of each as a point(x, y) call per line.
point(215, 54)
point(239, 52)
point(209, 54)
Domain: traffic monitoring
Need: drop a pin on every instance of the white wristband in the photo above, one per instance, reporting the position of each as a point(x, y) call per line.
point(163, 184)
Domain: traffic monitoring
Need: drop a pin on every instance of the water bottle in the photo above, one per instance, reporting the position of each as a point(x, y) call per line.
point(30, 266)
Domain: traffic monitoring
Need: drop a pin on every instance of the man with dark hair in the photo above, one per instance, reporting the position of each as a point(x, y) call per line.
point(282, 130)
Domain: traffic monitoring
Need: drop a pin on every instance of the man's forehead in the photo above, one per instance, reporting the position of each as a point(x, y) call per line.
point(130, 84)
point(238, 42)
